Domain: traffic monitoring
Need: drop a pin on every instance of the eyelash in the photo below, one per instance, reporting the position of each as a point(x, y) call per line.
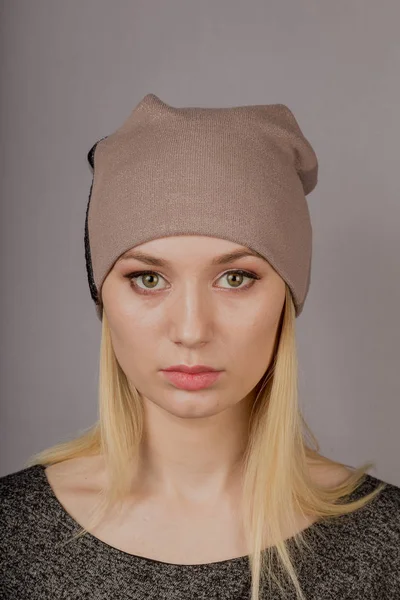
point(136, 274)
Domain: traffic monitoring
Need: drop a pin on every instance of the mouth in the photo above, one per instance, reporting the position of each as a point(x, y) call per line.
point(192, 381)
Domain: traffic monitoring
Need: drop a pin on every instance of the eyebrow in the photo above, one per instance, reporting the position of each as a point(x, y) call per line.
point(222, 259)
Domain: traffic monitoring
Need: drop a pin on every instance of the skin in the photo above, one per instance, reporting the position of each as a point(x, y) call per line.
point(184, 506)
point(194, 313)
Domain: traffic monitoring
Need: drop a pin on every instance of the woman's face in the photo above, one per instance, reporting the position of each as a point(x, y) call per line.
point(191, 310)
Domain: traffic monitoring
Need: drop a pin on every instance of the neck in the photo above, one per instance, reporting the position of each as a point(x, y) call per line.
point(196, 460)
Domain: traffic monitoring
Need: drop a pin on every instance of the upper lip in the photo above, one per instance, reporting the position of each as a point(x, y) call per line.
point(194, 369)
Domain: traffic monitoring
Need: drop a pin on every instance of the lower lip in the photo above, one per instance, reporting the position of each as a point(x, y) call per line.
point(192, 381)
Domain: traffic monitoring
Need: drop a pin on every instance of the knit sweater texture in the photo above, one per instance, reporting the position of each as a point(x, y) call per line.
point(355, 556)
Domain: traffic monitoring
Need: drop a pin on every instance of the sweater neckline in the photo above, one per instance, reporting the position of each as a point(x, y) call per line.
point(315, 529)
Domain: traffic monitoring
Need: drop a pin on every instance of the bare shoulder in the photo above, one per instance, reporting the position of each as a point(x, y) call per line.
point(82, 474)
point(76, 483)
point(329, 475)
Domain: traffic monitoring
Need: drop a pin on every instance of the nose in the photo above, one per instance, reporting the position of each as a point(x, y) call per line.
point(192, 316)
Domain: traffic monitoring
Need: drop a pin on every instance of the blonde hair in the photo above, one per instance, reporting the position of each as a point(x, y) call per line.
point(277, 485)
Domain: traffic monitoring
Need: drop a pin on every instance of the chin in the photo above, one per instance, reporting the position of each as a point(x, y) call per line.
point(190, 405)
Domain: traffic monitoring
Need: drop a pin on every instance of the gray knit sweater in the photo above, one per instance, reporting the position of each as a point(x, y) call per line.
point(357, 556)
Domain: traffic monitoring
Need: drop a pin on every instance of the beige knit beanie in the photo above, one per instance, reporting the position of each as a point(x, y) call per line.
point(239, 173)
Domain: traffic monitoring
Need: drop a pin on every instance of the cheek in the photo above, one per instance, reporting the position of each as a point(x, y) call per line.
point(131, 343)
point(252, 343)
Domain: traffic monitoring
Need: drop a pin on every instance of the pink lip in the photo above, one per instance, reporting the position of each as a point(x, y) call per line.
point(192, 381)
point(194, 369)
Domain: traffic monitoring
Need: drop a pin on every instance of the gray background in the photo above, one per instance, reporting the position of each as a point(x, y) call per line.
point(72, 71)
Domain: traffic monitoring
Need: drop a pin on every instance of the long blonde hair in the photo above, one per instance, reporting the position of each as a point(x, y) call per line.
point(277, 484)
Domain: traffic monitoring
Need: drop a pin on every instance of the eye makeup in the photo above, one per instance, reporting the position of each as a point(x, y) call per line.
point(132, 277)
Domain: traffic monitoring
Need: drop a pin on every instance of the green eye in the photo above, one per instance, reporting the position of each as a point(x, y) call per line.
point(151, 278)
point(235, 277)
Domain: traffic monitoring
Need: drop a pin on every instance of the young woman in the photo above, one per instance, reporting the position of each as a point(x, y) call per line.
point(200, 478)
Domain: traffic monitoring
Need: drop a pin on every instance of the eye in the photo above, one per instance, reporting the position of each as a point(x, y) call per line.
point(151, 278)
point(236, 278)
